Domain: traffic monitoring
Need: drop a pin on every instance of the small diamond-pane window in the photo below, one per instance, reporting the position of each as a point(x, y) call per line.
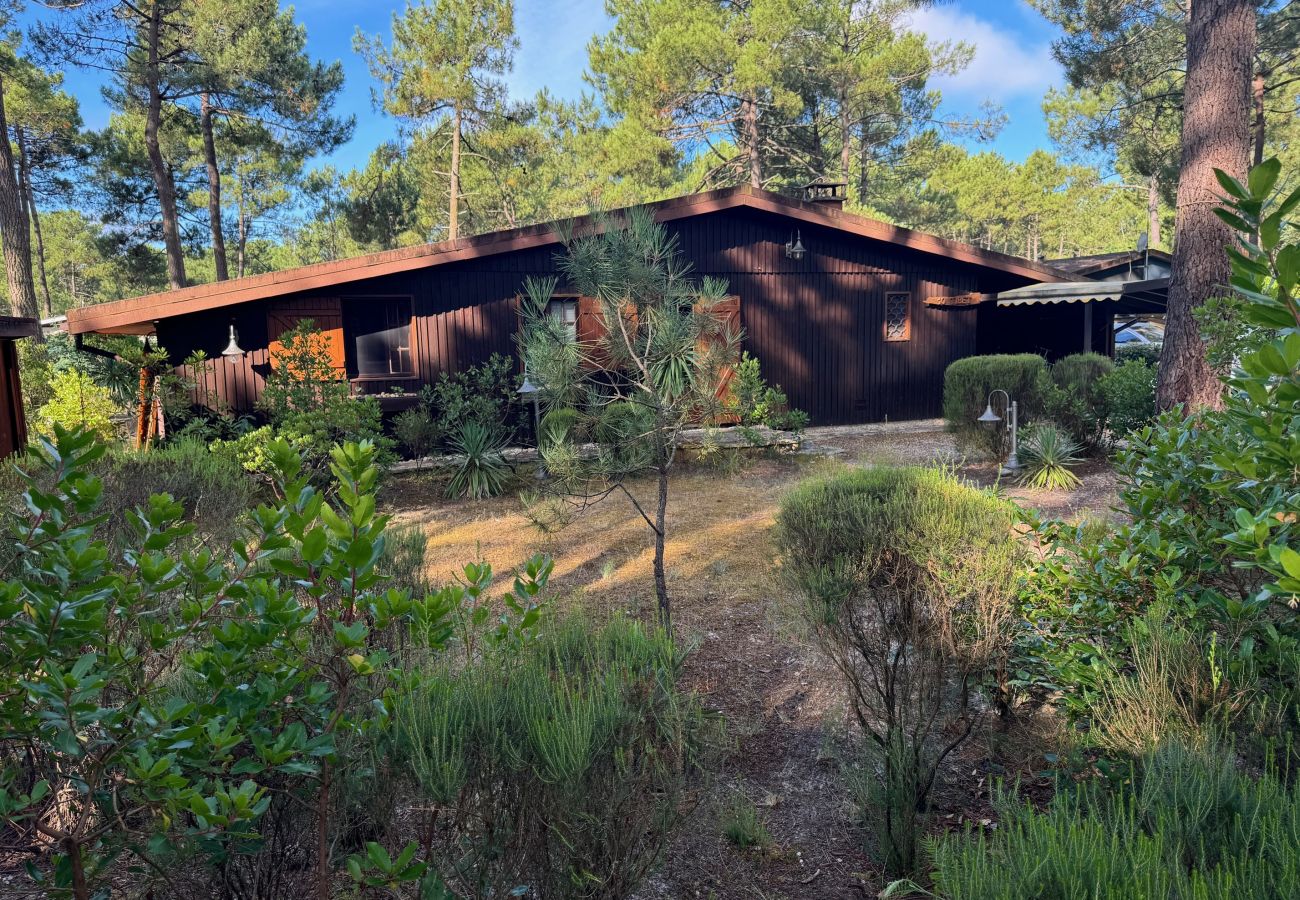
point(898, 323)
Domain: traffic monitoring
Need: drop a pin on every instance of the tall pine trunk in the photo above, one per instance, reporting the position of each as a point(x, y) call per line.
point(162, 175)
point(846, 135)
point(214, 188)
point(749, 116)
point(1216, 134)
point(1153, 211)
point(14, 234)
point(33, 215)
point(661, 576)
point(453, 213)
point(1257, 128)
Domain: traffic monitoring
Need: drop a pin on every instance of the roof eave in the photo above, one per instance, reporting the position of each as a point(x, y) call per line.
point(136, 315)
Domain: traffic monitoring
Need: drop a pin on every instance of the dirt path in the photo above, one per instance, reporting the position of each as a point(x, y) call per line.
point(783, 707)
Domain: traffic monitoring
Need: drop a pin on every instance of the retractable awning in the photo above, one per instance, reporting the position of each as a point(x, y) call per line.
point(1129, 297)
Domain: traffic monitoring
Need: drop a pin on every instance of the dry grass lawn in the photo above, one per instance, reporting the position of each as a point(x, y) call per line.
point(784, 709)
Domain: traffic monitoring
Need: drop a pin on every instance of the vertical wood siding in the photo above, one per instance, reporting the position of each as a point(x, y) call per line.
point(816, 325)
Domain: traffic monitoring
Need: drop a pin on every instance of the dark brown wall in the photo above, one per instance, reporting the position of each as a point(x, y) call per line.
point(816, 324)
point(13, 427)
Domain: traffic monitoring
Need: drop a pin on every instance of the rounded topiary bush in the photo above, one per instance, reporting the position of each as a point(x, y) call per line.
point(967, 384)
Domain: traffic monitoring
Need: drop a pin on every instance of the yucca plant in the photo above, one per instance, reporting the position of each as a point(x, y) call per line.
point(1047, 452)
point(482, 471)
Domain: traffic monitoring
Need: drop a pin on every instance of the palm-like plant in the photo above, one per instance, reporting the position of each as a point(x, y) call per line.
point(1047, 453)
point(482, 471)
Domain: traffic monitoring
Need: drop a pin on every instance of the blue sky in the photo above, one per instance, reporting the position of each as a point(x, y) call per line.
point(1012, 66)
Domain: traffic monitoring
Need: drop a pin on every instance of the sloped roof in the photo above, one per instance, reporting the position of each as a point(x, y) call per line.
point(1097, 262)
point(136, 315)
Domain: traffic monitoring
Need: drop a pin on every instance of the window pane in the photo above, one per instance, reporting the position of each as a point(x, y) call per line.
point(381, 331)
point(565, 311)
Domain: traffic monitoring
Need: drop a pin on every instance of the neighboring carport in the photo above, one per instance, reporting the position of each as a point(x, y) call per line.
point(1070, 317)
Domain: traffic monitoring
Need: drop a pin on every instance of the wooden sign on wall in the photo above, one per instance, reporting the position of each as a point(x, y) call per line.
point(971, 299)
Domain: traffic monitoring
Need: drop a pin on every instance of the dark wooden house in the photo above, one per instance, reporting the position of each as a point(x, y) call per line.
point(859, 327)
point(13, 424)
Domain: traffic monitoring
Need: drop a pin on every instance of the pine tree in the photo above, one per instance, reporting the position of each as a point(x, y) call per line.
point(441, 73)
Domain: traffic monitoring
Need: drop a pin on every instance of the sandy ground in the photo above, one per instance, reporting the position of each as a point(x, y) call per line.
point(785, 710)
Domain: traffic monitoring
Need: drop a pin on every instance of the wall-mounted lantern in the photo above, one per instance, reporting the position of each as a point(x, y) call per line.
point(794, 248)
point(233, 352)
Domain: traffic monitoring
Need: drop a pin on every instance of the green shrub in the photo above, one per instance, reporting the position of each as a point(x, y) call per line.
point(755, 402)
point(967, 384)
point(417, 432)
point(1128, 395)
point(214, 491)
point(482, 471)
point(486, 393)
point(1074, 400)
point(908, 580)
point(313, 436)
point(155, 709)
point(561, 423)
point(1047, 452)
point(1144, 353)
point(561, 764)
point(76, 401)
point(1188, 825)
point(1209, 526)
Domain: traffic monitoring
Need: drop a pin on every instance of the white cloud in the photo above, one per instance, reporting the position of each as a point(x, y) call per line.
point(1006, 66)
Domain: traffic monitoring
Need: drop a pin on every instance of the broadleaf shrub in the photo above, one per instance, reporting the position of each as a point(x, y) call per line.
point(158, 711)
point(76, 401)
point(1128, 395)
point(755, 402)
point(967, 384)
point(1073, 399)
point(1145, 353)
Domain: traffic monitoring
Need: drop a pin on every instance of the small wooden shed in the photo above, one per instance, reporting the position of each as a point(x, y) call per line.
point(13, 425)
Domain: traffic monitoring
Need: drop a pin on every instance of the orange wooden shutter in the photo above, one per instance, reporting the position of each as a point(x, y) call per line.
point(727, 312)
point(591, 329)
point(327, 315)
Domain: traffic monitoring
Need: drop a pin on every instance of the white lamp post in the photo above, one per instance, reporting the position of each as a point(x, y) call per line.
point(991, 419)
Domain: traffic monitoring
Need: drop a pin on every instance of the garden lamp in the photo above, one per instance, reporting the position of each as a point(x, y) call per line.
point(529, 391)
point(990, 419)
point(233, 351)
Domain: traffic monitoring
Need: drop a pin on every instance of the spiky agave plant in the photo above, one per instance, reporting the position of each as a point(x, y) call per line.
point(482, 471)
point(1047, 452)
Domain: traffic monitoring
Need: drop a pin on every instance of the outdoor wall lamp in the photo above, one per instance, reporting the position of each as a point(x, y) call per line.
point(794, 249)
point(990, 419)
point(233, 352)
